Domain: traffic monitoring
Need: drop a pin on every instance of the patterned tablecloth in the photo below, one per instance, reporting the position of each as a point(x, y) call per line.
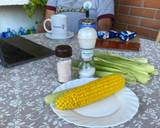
point(22, 89)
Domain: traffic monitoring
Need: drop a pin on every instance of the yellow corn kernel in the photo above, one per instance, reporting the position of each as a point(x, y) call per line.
point(90, 92)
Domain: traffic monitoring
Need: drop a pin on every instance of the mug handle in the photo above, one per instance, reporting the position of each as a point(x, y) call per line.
point(44, 25)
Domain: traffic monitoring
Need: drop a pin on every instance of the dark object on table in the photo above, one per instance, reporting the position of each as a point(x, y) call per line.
point(15, 51)
point(116, 43)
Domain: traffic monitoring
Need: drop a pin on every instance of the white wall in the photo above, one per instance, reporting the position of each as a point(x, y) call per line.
point(14, 17)
point(13, 2)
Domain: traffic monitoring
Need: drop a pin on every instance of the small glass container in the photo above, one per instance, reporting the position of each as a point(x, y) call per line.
point(64, 70)
point(86, 67)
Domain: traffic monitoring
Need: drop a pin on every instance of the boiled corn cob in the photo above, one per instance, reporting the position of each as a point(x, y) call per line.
point(87, 93)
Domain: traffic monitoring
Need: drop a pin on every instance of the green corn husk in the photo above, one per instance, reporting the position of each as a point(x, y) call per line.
point(51, 98)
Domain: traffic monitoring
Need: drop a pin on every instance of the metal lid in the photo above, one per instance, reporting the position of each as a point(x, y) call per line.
point(87, 21)
point(63, 51)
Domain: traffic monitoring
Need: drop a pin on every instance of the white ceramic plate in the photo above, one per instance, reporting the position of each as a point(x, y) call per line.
point(109, 112)
point(50, 36)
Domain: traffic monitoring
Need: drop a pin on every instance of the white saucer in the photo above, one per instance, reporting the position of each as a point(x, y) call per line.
point(50, 36)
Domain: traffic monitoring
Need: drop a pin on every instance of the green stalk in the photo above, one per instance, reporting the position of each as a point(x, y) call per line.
point(102, 73)
point(130, 79)
point(140, 60)
point(141, 76)
point(99, 67)
point(107, 63)
point(113, 56)
point(144, 67)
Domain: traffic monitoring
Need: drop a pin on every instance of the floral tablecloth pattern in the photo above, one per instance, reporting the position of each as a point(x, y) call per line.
point(23, 87)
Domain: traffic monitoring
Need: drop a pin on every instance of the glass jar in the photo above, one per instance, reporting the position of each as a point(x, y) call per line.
point(63, 56)
point(86, 67)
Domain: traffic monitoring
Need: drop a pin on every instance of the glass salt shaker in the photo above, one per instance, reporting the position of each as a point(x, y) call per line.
point(86, 67)
point(64, 70)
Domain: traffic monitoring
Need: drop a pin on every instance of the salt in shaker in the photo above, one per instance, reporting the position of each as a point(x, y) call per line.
point(63, 54)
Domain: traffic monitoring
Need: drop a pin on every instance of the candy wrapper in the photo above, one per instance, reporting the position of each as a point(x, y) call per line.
point(103, 34)
point(127, 35)
point(107, 35)
point(124, 35)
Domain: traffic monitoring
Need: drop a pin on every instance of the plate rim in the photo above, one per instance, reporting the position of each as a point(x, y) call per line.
point(97, 126)
point(60, 38)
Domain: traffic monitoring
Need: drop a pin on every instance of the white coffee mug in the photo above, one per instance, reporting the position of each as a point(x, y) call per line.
point(58, 25)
